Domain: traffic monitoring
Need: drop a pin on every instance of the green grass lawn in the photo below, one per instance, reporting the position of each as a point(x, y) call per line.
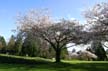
point(65, 66)
point(18, 63)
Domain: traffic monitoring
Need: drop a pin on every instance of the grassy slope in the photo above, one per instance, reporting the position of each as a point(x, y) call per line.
point(73, 66)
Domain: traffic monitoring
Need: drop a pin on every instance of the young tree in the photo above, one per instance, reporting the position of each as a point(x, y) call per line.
point(56, 34)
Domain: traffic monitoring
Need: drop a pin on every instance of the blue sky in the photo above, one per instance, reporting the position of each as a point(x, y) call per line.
point(58, 8)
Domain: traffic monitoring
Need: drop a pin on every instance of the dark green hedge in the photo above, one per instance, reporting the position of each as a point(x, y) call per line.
point(22, 60)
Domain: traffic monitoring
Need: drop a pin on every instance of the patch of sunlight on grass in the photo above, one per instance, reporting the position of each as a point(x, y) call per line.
point(76, 61)
point(78, 70)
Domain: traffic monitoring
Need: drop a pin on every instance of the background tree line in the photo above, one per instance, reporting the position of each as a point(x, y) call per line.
point(28, 46)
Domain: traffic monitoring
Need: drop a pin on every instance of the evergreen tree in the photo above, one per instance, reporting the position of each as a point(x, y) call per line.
point(51, 53)
point(2, 45)
point(18, 44)
point(44, 49)
point(64, 54)
point(10, 48)
point(98, 49)
point(29, 47)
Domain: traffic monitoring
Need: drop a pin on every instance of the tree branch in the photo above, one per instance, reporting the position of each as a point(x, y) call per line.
point(51, 43)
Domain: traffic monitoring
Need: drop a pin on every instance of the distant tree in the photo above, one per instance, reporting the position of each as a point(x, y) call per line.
point(44, 49)
point(41, 49)
point(98, 50)
point(18, 44)
point(57, 34)
point(2, 45)
point(51, 52)
point(10, 47)
point(64, 54)
point(107, 51)
point(29, 47)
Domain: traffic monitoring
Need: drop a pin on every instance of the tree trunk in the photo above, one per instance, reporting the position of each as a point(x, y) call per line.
point(58, 54)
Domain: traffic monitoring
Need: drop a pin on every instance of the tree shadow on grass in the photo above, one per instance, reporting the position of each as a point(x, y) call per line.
point(50, 66)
